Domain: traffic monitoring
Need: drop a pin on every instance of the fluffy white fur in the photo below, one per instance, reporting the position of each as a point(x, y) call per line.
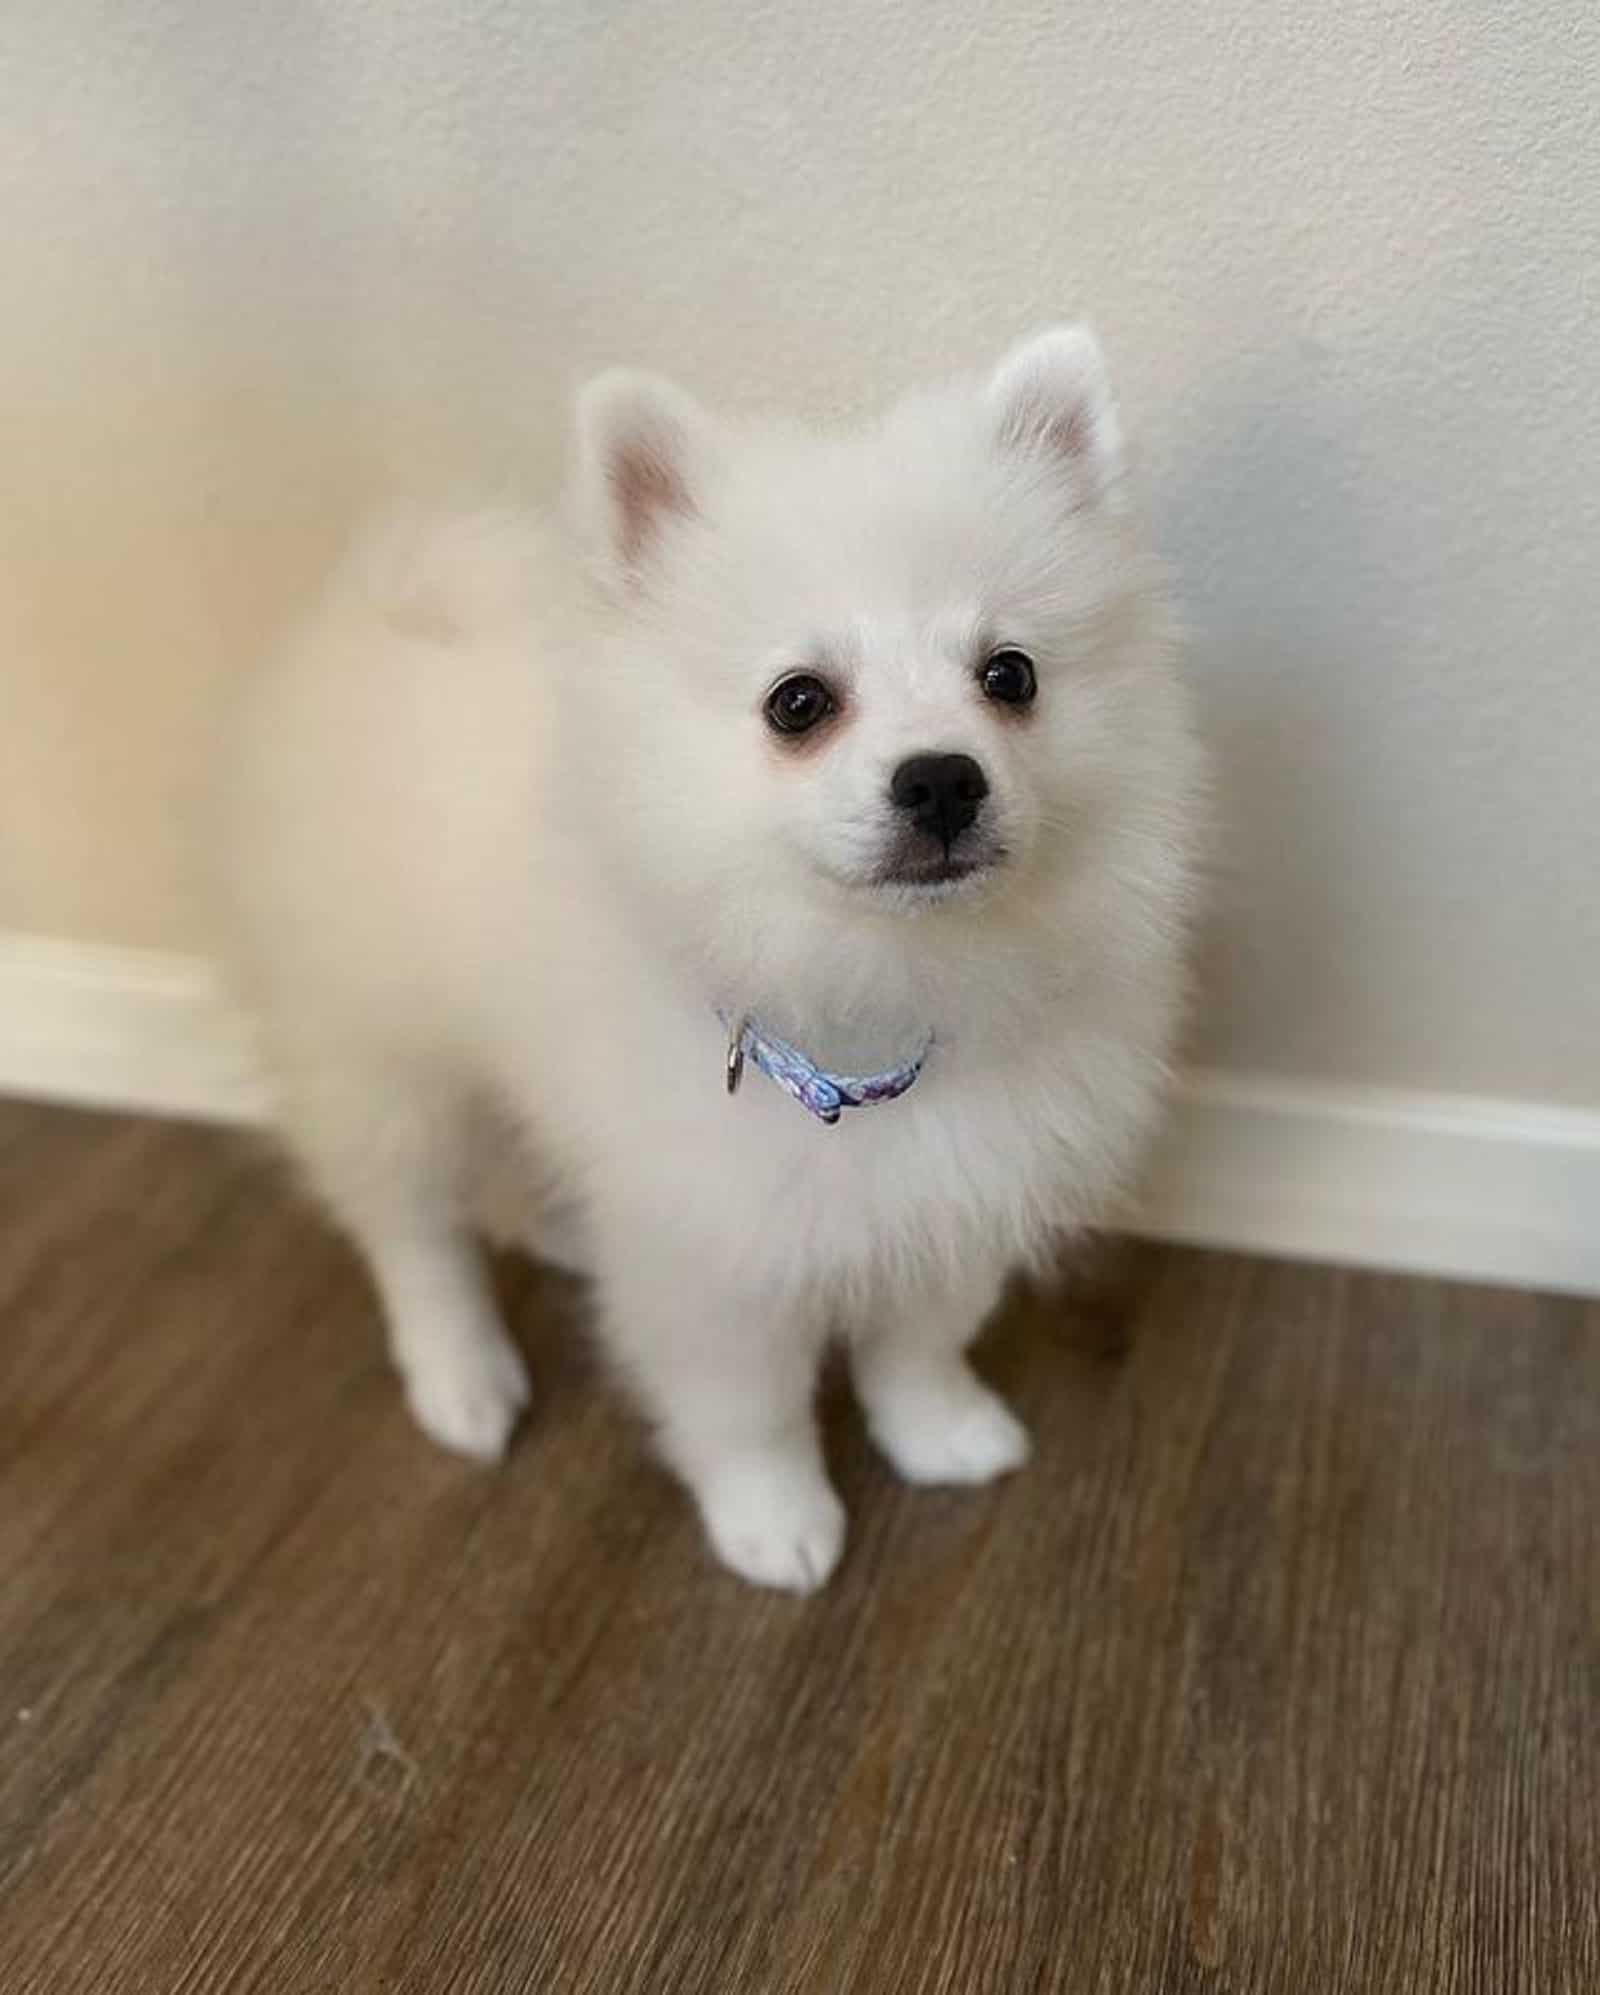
point(506, 827)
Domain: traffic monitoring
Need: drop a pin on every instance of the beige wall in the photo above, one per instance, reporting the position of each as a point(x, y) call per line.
point(261, 263)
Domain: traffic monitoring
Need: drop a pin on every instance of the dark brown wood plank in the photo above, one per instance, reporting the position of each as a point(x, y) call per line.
point(1279, 1669)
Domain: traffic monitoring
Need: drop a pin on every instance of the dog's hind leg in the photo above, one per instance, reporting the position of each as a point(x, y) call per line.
point(383, 1143)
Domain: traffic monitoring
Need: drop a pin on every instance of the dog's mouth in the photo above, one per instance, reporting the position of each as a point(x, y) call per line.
point(908, 871)
point(940, 874)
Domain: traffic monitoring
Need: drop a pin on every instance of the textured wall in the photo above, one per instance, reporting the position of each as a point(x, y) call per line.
point(259, 263)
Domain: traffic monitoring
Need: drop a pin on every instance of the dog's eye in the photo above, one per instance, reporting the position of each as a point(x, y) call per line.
point(797, 704)
point(1007, 676)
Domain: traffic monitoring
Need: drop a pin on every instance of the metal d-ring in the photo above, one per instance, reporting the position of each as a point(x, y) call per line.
point(735, 1066)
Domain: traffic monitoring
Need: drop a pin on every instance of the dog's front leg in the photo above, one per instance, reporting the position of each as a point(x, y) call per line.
point(729, 1377)
point(929, 1412)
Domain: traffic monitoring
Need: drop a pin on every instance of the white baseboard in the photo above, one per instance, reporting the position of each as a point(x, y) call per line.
point(1482, 1190)
point(121, 1028)
point(1437, 1184)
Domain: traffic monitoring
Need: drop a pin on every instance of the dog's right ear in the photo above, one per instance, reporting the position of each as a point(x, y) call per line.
point(1050, 394)
point(644, 451)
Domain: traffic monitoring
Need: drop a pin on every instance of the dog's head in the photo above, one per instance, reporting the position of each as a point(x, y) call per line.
point(881, 668)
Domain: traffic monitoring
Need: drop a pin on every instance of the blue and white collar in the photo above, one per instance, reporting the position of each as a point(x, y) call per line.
point(825, 1095)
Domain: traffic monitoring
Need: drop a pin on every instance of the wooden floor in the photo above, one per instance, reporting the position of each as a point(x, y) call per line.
point(1278, 1671)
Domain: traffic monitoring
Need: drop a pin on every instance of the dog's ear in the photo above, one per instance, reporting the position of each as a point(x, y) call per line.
point(644, 449)
point(1051, 394)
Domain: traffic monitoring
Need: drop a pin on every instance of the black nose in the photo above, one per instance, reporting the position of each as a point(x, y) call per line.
point(939, 793)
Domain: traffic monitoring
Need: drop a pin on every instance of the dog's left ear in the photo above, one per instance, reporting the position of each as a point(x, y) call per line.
point(1051, 394)
point(644, 452)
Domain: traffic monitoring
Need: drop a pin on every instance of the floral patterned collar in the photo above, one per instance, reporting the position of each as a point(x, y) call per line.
point(825, 1095)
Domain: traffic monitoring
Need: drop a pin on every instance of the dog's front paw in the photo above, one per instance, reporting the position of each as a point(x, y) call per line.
point(468, 1395)
point(773, 1521)
point(941, 1424)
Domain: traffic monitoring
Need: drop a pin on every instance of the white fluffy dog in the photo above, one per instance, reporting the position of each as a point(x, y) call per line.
point(852, 766)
